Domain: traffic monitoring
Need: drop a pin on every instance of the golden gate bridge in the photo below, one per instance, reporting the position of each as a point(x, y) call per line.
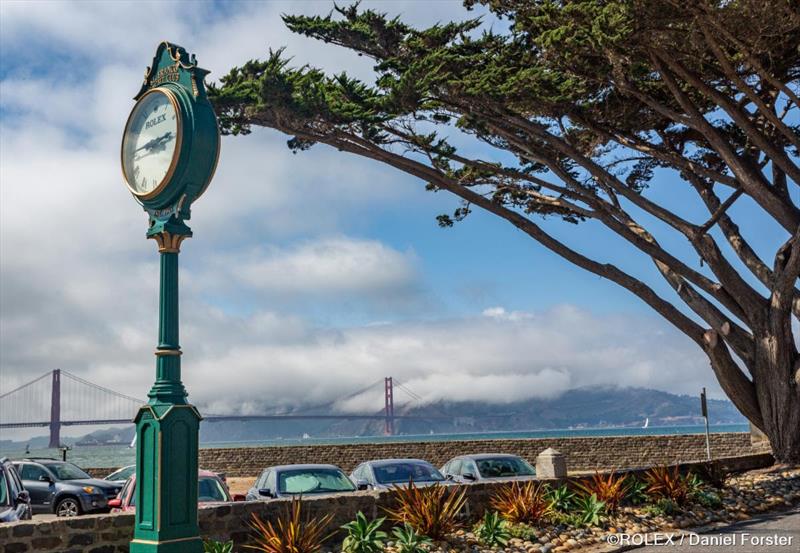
point(59, 398)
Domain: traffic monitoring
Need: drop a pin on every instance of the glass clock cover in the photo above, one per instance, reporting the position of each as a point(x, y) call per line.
point(150, 143)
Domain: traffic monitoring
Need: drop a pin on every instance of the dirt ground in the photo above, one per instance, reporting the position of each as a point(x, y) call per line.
point(240, 484)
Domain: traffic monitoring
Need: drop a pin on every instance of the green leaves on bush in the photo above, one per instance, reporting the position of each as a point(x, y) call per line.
point(561, 498)
point(212, 546)
point(493, 530)
point(663, 507)
point(363, 536)
point(589, 508)
point(408, 540)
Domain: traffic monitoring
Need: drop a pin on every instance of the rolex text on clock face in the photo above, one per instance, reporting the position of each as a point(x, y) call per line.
point(150, 143)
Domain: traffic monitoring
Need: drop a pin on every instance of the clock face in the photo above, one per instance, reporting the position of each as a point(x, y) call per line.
point(151, 143)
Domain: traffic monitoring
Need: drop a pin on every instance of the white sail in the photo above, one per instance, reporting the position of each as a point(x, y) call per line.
point(646, 423)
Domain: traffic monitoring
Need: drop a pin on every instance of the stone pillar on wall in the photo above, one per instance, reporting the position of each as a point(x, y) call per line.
point(551, 464)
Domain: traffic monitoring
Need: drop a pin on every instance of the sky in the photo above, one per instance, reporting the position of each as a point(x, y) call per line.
point(309, 275)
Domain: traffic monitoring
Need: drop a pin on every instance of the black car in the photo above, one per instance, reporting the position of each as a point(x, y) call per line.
point(63, 488)
point(15, 503)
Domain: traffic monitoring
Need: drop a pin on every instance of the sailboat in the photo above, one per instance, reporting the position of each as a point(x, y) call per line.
point(646, 423)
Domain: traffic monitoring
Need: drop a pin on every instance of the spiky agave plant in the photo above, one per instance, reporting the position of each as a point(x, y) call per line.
point(493, 530)
point(526, 502)
point(432, 510)
point(408, 540)
point(291, 533)
point(609, 488)
point(363, 536)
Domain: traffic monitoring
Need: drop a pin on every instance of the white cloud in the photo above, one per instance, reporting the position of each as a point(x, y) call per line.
point(330, 266)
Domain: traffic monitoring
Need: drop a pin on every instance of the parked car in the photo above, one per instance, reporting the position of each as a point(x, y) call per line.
point(385, 473)
point(210, 489)
point(121, 476)
point(63, 488)
point(487, 466)
point(15, 501)
point(290, 480)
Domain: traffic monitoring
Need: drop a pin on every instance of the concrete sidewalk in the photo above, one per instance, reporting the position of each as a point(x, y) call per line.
point(774, 532)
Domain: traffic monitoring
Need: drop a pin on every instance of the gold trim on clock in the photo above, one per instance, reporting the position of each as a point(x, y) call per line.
point(178, 143)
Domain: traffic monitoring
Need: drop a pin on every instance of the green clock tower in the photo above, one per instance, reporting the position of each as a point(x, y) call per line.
point(169, 153)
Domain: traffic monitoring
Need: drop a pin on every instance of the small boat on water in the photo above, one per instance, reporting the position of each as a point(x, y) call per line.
point(646, 423)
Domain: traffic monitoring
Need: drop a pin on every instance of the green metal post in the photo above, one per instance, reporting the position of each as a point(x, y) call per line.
point(167, 428)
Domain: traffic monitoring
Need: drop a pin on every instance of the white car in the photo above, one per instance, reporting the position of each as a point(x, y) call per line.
point(488, 466)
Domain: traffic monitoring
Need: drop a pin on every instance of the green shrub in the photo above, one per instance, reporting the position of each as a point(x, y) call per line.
point(572, 520)
point(663, 507)
point(522, 531)
point(408, 540)
point(493, 530)
point(363, 536)
point(589, 508)
point(637, 491)
point(561, 499)
point(212, 546)
point(708, 499)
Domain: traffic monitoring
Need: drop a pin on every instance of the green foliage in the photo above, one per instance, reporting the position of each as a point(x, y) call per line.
point(363, 536)
point(561, 498)
point(589, 509)
point(572, 520)
point(408, 540)
point(637, 490)
point(663, 507)
point(522, 531)
point(708, 499)
point(212, 546)
point(492, 530)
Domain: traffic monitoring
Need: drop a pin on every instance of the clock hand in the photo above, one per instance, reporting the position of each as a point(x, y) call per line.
point(156, 141)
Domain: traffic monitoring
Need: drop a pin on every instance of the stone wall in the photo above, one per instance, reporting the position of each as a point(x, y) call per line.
point(583, 454)
point(112, 533)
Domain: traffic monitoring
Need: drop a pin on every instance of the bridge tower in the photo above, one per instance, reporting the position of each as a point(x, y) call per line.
point(55, 410)
point(388, 388)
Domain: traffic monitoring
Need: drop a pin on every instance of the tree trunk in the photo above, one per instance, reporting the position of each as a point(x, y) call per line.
point(777, 391)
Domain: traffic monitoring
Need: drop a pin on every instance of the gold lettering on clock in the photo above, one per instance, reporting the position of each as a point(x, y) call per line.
point(165, 74)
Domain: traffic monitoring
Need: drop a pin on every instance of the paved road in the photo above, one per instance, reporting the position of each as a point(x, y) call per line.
point(774, 533)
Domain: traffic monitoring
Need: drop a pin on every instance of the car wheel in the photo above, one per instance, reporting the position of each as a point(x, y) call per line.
point(68, 507)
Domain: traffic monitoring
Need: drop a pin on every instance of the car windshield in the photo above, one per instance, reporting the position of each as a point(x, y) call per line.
point(122, 474)
point(3, 488)
point(313, 481)
point(210, 489)
point(66, 471)
point(500, 467)
point(397, 473)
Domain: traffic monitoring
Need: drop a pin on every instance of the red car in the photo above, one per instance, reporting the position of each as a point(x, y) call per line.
point(210, 489)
